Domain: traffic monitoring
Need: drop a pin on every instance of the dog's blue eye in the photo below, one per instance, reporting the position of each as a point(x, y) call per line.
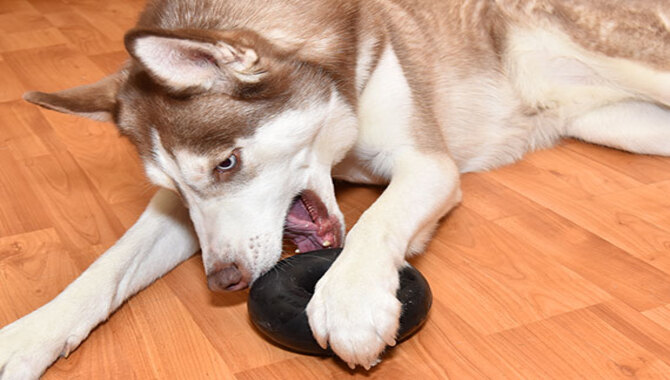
point(228, 164)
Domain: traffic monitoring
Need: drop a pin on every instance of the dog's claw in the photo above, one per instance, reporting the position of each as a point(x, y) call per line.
point(323, 343)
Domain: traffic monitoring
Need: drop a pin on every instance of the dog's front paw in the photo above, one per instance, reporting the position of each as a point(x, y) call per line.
point(354, 310)
point(26, 351)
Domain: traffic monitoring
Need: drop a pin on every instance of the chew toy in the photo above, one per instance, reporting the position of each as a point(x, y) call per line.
point(277, 300)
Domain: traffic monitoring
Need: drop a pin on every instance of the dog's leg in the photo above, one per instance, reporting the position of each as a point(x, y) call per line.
point(354, 307)
point(161, 239)
point(634, 126)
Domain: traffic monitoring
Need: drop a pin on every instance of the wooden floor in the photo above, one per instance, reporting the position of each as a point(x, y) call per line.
point(556, 267)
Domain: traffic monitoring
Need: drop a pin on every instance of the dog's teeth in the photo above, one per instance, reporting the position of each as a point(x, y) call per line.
point(326, 244)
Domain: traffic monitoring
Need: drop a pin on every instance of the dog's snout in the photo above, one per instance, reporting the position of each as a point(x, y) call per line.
point(227, 277)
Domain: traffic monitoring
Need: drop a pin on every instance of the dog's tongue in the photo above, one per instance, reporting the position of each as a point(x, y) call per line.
point(309, 225)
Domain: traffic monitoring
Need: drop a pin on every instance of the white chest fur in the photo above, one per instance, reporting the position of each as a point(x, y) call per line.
point(384, 114)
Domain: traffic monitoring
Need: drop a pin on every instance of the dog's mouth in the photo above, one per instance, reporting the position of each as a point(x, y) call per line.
point(310, 226)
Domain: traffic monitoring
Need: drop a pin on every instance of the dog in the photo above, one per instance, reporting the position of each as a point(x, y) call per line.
point(244, 111)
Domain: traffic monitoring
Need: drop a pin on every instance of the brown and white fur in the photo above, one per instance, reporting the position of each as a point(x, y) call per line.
point(406, 92)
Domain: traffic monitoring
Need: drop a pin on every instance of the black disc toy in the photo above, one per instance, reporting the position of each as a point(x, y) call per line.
point(278, 299)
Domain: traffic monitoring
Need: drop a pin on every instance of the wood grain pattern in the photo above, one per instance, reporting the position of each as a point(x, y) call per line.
point(555, 267)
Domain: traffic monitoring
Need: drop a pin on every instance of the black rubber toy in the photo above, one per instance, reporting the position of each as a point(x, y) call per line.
point(277, 300)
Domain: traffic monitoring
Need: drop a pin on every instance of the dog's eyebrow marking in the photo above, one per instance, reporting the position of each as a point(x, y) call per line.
point(194, 167)
point(185, 169)
point(196, 170)
point(164, 161)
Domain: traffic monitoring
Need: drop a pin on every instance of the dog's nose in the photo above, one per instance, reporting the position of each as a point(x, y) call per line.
point(227, 277)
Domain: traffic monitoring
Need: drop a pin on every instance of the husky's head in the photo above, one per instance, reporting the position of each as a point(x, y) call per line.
point(247, 135)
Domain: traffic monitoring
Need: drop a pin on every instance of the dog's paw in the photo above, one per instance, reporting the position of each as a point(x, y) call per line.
point(354, 310)
point(25, 350)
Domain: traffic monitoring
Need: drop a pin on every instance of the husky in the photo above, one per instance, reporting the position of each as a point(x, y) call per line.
point(244, 111)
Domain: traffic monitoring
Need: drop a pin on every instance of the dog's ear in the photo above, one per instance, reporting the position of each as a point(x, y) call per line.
point(183, 61)
point(95, 101)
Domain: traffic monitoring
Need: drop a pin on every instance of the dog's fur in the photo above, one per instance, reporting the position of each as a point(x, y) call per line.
point(405, 92)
